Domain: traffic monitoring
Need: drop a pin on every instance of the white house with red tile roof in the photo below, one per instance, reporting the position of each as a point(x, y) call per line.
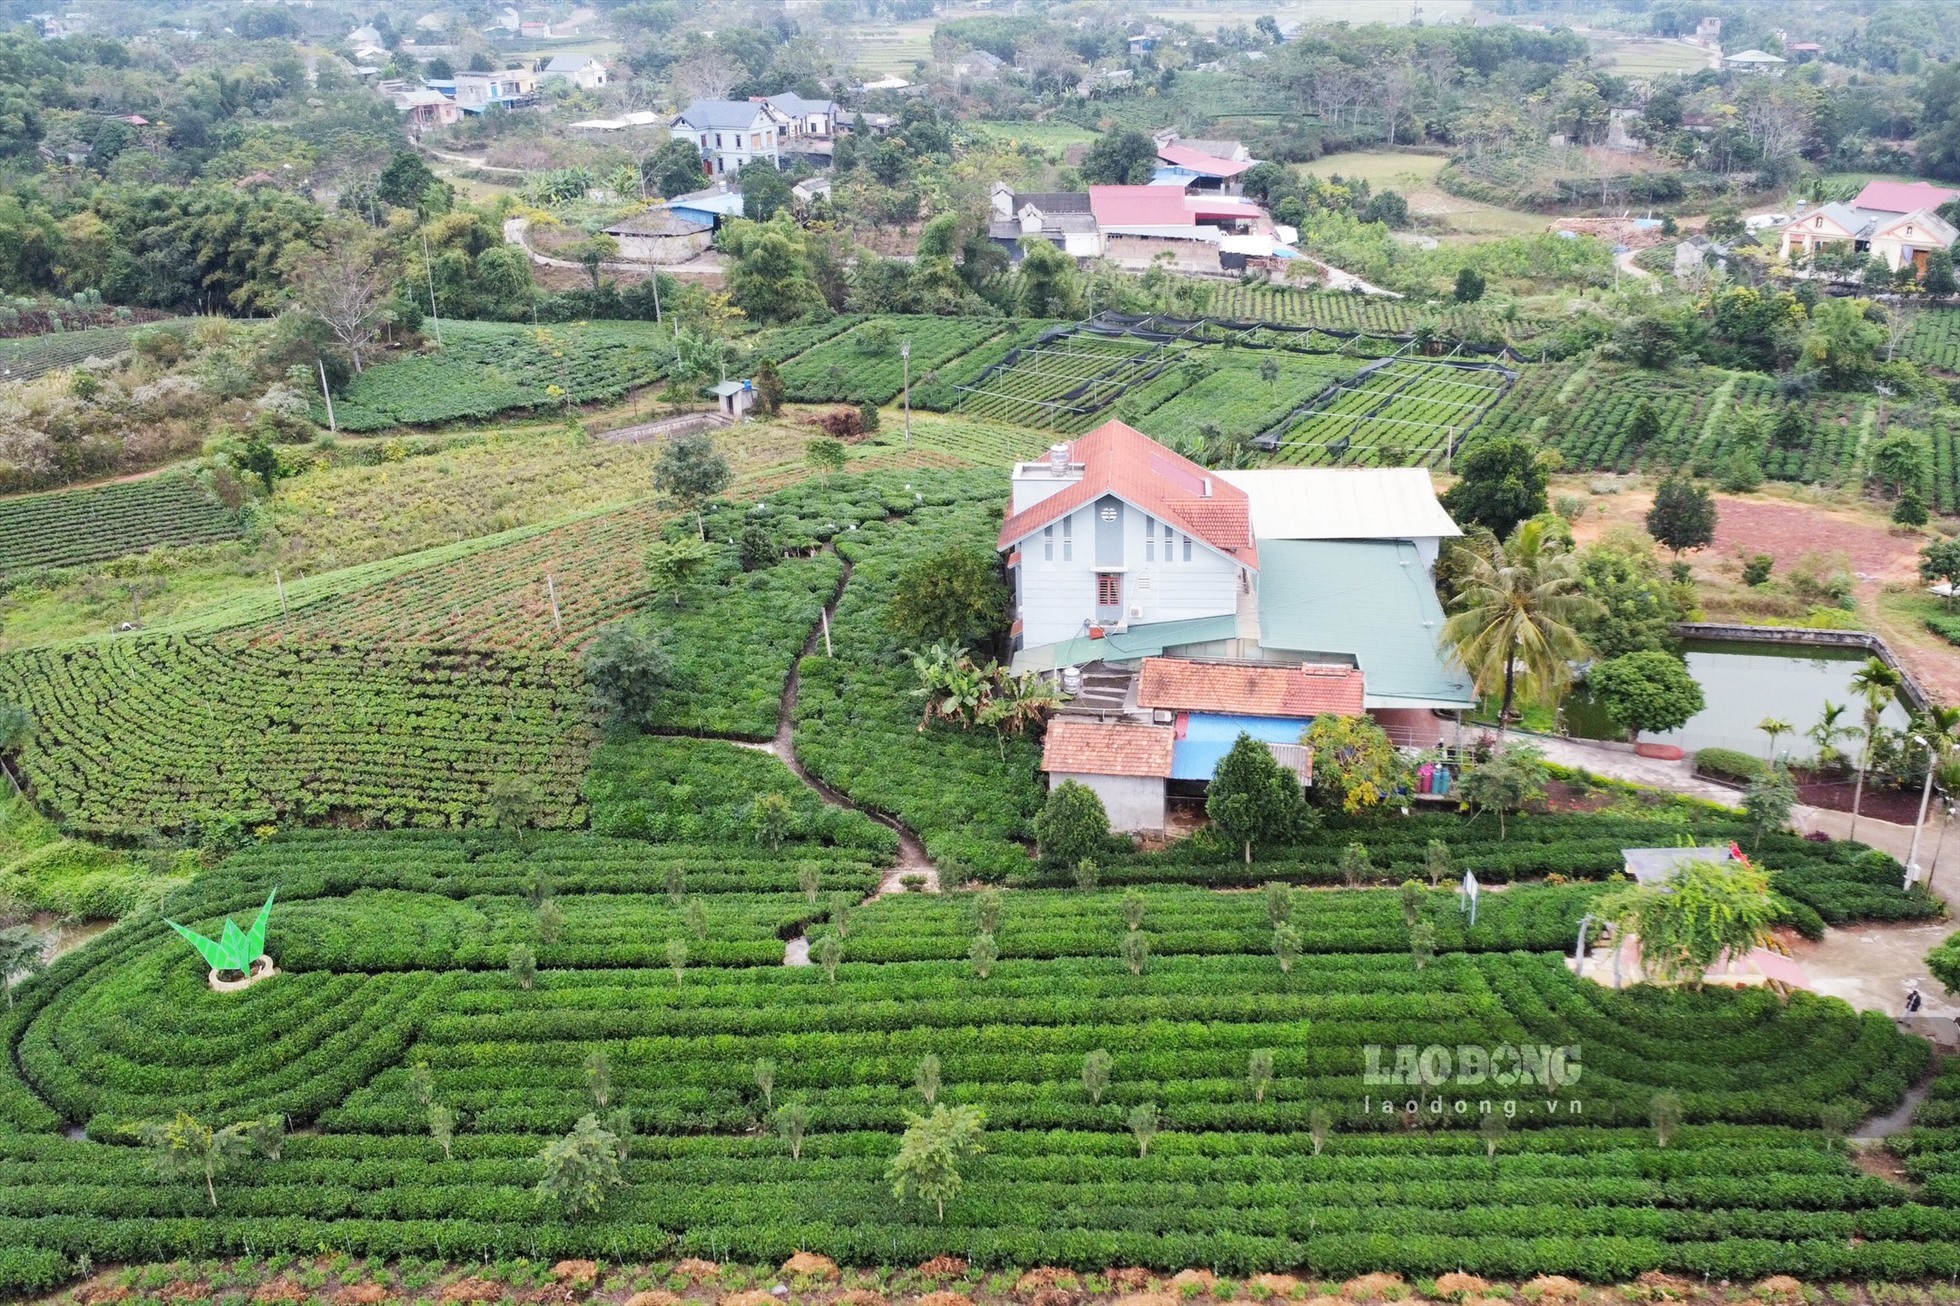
point(1239, 602)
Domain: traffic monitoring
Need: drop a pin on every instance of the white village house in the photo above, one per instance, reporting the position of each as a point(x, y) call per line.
point(731, 134)
point(1210, 603)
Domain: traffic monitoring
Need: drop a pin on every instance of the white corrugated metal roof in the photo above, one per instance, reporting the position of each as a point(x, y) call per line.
point(1343, 503)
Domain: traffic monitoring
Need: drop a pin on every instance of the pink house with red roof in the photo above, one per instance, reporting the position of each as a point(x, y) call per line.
point(1894, 220)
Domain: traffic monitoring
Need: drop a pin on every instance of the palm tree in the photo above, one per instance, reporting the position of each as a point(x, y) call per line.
point(1516, 618)
point(1773, 727)
point(1875, 683)
point(1826, 733)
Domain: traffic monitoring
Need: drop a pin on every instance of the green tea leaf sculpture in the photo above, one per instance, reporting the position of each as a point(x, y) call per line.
point(235, 949)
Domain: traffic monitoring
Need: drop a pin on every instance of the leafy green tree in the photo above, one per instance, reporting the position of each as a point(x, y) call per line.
point(1320, 1125)
point(927, 1167)
point(1072, 825)
point(1355, 764)
point(1136, 951)
point(769, 389)
point(1519, 608)
point(1356, 869)
point(770, 275)
point(1469, 285)
point(829, 953)
point(1910, 509)
point(1683, 515)
point(406, 182)
point(771, 817)
point(689, 472)
point(1411, 896)
point(598, 1078)
point(1502, 481)
point(953, 595)
point(1899, 461)
point(16, 727)
point(1767, 803)
point(1279, 901)
point(1648, 691)
point(442, 1128)
point(1939, 562)
point(927, 1078)
point(523, 966)
point(792, 1122)
point(187, 1148)
point(1143, 1126)
point(1635, 607)
point(674, 168)
point(1422, 943)
point(1253, 799)
point(1286, 946)
point(825, 456)
point(1492, 1128)
point(1048, 281)
point(21, 955)
point(258, 458)
point(1436, 862)
point(582, 1169)
point(1513, 776)
point(1125, 157)
point(1939, 273)
point(765, 191)
point(1842, 344)
point(982, 953)
point(628, 670)
point(550, 921)
point(1664, 1112)
point(1703, 910)
point(677, 959)
point(1096, 1066)
point(672, 565)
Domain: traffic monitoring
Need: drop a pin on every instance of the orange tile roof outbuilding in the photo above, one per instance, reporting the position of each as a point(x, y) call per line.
point(1236, 689)
point(1079, 747)
point(1123, 461)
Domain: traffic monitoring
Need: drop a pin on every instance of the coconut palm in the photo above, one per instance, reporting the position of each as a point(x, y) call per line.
point(1517, 614)
point(1876, 683)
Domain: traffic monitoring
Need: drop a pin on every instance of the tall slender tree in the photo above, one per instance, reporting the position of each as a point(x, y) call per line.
point(1876, 683)
point(1518, 610)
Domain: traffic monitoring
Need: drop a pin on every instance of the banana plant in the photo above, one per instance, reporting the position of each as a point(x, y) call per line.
point(234, 949)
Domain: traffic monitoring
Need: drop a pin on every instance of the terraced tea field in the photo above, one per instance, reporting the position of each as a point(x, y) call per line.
point(1414, 410)
point(71, 527)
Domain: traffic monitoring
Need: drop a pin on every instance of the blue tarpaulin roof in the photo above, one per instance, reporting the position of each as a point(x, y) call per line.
point(1208, 737)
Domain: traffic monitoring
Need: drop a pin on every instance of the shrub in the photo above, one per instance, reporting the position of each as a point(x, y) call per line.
point(1729, 764)
point(1756, 569)
point(1072, 825)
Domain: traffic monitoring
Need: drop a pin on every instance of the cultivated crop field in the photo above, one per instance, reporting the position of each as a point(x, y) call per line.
point(25, 357)
point(71, 527)
point(1062, 383)
point(155, 734)
point(1371, 313)
point(486, 368)
point(1224, 389)
point(1592, 415)
point(391, 944)
point(1417, 410)
point(863, 364)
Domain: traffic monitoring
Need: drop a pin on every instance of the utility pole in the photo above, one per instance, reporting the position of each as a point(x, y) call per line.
point(326, 394)
point(1925, 797)
point(429, 269)
point(905, 357)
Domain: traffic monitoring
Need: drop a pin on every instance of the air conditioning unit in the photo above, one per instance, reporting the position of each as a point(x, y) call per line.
point(1136, 612)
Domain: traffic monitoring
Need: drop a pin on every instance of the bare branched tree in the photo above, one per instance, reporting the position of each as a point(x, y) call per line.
point(709, 75)
point(345, 288)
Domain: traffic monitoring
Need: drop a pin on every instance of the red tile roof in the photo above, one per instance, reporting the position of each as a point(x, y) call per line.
point(1120, 460)
point(1079, 747)
point(1237, 689)
point(1140, 206)
point(1205, 165)
point(1901, 196)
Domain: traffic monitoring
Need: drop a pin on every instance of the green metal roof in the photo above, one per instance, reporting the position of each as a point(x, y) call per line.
point(1372, 600)
point(1147, 640)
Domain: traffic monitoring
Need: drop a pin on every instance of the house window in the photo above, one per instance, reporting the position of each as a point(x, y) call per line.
point(717, 140)
point(1150, 539)
point(1068, 541)
point(1167, 544)
point(1187, 548)
point(1109, 588)
point(1047, 543)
